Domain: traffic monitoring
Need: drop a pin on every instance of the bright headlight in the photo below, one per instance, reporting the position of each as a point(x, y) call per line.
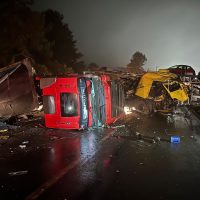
point(127, 110)
point(133, 108)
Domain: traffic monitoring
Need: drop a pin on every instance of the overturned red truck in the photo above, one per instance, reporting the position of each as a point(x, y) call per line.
point(81, 101)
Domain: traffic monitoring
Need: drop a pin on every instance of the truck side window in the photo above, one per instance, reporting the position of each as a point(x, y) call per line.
point(49, 104)
point(69, 104)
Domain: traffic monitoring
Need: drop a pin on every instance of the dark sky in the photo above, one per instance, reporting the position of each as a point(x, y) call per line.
point(110, 31)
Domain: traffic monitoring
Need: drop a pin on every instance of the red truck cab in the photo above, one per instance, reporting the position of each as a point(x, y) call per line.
point(81, 101)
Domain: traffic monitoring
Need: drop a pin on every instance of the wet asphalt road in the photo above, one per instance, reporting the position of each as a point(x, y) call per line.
point(105, 163)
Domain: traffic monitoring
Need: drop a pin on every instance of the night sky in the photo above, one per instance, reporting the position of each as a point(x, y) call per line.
point(108, 32)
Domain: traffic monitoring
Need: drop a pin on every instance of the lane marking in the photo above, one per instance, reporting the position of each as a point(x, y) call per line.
point(45, 186)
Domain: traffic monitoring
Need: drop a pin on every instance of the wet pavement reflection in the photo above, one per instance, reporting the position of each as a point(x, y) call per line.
point(104, 163)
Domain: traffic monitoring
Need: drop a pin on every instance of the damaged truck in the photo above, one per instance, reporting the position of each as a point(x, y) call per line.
point(157, 91)
point(81, 101)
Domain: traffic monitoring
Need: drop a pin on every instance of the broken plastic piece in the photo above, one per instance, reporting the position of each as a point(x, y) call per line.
point(22, 146)
point(25, 142)
point(158, 138)
point(18, 173)
point(137, 133)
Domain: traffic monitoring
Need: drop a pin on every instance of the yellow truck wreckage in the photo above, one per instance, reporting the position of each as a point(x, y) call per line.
point(157, 91)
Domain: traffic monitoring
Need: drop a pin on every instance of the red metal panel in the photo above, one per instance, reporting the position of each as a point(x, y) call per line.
point(105, 81)
point(89, 103)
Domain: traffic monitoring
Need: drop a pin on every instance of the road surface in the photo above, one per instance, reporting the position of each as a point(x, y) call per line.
point(134, 161)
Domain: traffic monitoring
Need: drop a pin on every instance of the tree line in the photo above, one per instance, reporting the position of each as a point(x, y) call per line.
point(44, 37)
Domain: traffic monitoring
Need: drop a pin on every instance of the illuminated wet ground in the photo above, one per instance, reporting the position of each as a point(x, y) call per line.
point(106, 163)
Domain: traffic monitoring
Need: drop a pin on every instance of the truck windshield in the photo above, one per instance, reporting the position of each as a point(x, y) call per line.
point(69, 104)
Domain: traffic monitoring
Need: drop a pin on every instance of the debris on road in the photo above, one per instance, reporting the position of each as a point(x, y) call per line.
point(141, 163)
point(4, 137)
point(41, 126)
point(119, 126)
point(54, 138)
point(3, 130)
point(17, 173)
point(3, 127)
point(17, 89)
point(22, 146)
point(25, 142)
point(150, 139)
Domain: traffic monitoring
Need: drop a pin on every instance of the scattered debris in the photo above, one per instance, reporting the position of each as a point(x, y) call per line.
point(137, 133)
point(3, 127)
point(4, 137)
point(150, 139)
point(12, 127)
point(22, 146)
point(141, 163)
point(3, 130)
point(41, 126)
point(23, 116)
point(54, 138)
point(158, 138)
point(25, 142)
point(18, 173)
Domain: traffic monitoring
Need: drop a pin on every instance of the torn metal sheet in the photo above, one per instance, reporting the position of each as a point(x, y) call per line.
point(17, 90)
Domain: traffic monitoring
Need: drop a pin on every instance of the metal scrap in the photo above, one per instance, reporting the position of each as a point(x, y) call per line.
point(17, 173)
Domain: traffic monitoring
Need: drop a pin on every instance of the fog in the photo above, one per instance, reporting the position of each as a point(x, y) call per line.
point(108, 32)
